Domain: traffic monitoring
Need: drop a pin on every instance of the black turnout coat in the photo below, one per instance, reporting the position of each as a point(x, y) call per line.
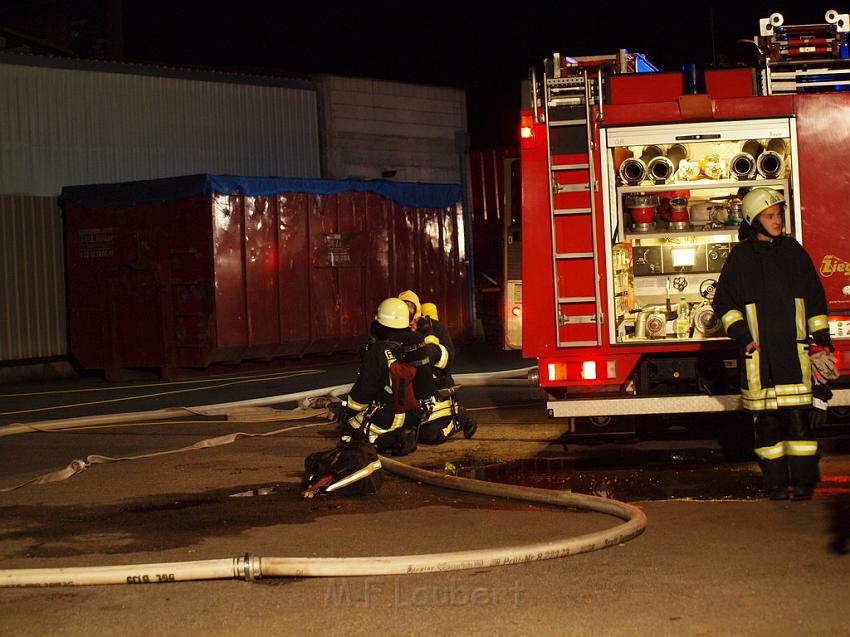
point(769, 293)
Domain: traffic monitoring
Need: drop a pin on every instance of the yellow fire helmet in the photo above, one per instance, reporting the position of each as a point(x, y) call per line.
point(430, 310)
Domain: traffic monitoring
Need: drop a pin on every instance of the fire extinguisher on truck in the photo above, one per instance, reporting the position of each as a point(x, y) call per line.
point(631, 199)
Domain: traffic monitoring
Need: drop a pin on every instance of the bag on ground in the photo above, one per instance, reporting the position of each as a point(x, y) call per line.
point(352, 468)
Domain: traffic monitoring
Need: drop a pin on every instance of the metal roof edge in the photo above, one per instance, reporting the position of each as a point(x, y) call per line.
point(448, 87)
point(151, 70)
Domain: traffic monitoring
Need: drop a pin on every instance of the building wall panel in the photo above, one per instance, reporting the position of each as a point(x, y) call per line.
point(32, 287)
point(61, 127)
point(374, 129)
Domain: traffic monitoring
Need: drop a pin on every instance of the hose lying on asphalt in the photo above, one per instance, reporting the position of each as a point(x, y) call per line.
point(507, 378)
point(250, 567)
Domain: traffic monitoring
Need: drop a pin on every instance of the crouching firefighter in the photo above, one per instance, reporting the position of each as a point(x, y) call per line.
point(444, 416)
point(382, 406)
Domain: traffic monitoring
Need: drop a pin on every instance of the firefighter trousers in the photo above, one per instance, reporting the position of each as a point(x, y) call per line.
point(439, 424)
point(392, 434)
point(446, 418)
point(786, 448)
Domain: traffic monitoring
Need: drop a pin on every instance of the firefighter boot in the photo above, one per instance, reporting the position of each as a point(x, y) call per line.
point(803, 492)
point(468, 425)
point(775, 475)
point(804, 476)
point(801, 450)
point(771, 456)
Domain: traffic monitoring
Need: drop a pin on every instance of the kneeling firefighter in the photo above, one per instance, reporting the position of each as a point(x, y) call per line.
point(383, 405)
point(445, 416)
point(770, 300)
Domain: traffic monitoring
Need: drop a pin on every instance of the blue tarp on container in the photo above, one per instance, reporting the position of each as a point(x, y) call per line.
point(415, 195)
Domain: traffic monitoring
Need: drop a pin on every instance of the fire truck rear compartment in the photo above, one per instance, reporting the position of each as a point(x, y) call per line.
point(676, 376)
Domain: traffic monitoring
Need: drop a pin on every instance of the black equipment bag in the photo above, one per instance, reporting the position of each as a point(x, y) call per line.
point(352, 468)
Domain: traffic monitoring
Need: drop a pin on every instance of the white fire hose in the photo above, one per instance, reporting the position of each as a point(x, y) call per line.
point(250, 567)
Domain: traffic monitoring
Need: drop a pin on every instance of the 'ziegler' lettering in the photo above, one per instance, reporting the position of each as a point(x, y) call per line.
point(832, 264)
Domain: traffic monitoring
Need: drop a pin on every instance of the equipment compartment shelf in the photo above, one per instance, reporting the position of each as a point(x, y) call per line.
point(665, 234)
point(628, 234)
point(702, 184)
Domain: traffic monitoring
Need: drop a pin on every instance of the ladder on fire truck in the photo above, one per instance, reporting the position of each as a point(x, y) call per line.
point(569, 95)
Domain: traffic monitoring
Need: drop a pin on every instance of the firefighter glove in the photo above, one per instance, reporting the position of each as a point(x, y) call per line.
point(824, 366)
point(339, 413)
point(427, 407)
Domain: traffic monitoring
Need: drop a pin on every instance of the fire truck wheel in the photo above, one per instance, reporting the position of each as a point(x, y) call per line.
point(604, 426)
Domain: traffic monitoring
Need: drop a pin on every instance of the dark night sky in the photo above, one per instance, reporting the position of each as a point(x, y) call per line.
point(485, 47)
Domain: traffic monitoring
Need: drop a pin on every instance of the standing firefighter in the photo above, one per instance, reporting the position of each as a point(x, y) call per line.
point(383, 404)
point(770, 300)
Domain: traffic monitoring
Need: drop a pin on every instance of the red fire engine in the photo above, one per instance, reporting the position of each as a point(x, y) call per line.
point(631, 186)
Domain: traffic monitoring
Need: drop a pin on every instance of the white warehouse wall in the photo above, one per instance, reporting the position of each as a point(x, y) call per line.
point(70, 126)
point(372, 126)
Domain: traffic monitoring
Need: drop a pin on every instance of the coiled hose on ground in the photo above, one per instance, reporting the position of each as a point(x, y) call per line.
point(251, 567)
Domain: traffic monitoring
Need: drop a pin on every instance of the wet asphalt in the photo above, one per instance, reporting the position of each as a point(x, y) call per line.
point(717, 557)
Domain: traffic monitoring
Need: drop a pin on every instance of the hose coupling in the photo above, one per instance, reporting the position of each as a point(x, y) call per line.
point(248, 567)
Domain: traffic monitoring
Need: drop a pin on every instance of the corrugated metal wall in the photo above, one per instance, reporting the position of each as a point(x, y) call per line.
point(32, 283)
point(373, 126)
point(62, 127)
point(66, 122)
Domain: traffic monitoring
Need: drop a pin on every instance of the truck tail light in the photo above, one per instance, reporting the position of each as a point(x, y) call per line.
point(526, 132)
point(557, 371)
point(599, 371)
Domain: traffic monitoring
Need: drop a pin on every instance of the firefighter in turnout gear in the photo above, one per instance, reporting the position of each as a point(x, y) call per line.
point(770, 300)
point(442, 355)
point(446, 415)
point(383, 405)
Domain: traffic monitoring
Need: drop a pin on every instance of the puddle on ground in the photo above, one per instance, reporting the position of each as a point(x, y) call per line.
point(682, 478)
point(255, 492)
point(167, 521)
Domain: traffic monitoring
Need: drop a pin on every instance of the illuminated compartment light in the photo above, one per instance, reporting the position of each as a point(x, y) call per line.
point(588, 370)
point(612, 369)
point(516, 311)
point(683, 257)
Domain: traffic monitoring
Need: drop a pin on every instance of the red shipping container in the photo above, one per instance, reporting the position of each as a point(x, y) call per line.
point(203, 269)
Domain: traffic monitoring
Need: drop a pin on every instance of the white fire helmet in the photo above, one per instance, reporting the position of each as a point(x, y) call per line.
point(392, 312)
point(758, 200)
